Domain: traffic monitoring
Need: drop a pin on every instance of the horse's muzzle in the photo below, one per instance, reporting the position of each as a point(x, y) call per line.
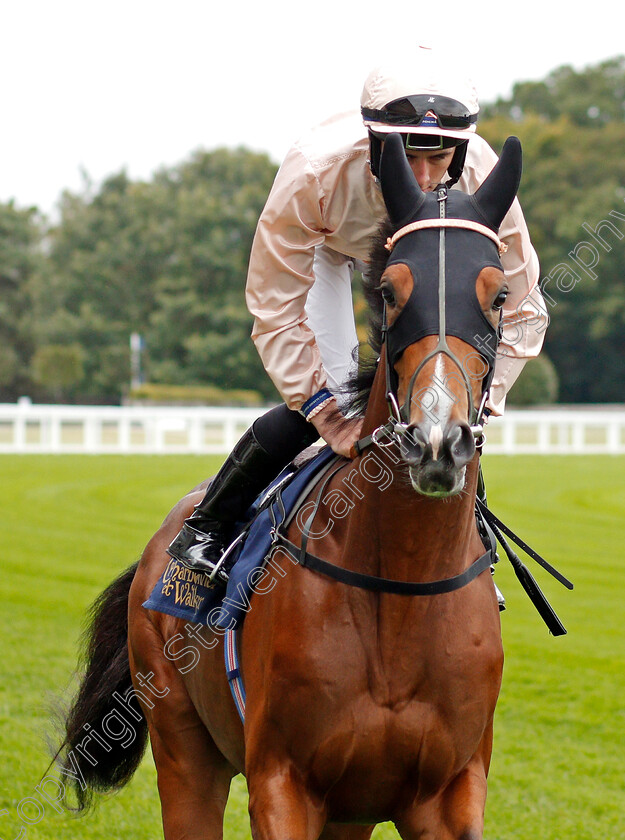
point(437, 458)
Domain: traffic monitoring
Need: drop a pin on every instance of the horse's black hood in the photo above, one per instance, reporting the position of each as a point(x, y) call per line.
point(466, 252)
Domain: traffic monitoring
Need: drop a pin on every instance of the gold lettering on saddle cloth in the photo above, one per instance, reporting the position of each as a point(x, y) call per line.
point(182, 583)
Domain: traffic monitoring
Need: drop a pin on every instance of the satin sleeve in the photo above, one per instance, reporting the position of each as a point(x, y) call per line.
point(280, 276)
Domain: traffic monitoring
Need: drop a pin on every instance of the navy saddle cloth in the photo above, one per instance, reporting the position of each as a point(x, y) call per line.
point(183, 593)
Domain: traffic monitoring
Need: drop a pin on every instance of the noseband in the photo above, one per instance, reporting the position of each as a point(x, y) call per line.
point(419, 318)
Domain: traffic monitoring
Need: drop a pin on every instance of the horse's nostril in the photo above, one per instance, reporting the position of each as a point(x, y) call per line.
point(437, 457)
point(460, 444)
point(413, 445)
point(453, 446)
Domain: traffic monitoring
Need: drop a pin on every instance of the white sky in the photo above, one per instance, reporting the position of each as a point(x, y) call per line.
point(96, 87)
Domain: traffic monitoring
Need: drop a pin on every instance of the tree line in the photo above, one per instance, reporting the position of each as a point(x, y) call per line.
point(167, 259)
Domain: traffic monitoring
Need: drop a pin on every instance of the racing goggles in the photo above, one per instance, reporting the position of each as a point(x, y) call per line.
point(421, 142)
point(424, 111)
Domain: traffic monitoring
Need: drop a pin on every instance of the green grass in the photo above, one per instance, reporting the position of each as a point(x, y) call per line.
point(68, 525)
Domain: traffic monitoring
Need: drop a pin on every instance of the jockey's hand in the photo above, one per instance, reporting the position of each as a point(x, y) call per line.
point(340, 432)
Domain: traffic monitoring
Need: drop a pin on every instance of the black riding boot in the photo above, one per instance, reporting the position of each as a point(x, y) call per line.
point(272, 442)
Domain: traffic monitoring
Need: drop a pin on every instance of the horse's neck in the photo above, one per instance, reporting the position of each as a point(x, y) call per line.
point(409, 531)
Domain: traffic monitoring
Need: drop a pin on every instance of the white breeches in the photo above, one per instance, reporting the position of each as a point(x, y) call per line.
point(330, 312)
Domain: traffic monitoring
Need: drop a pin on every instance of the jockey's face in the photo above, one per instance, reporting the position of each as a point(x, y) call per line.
point(429, 166)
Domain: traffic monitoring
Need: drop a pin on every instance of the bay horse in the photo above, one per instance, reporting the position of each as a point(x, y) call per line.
point(364, 705)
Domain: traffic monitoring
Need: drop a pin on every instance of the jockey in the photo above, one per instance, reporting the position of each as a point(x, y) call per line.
point(315, 229)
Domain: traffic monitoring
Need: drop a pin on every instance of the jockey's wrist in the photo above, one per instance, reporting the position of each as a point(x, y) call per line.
point(337, 430)
point(315, 404)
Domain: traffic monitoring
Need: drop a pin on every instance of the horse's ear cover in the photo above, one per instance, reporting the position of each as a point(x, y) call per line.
point(495, 196)
point(404, 197)
point(402, 194)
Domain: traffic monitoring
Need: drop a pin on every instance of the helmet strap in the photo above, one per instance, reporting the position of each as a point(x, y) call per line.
point(456, 166)
point(375, 154)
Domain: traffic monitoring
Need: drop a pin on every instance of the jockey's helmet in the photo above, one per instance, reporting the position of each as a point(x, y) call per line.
point(426, 101)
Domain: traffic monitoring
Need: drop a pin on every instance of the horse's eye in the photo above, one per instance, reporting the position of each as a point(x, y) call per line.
point(388, 294)
point(500, 299)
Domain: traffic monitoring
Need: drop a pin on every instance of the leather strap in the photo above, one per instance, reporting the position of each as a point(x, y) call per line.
point(493, 520)
point(373, 583)
point(463, 224)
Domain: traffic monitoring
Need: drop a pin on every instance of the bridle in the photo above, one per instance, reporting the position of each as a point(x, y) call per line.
point(405, 200)
point(399, 416)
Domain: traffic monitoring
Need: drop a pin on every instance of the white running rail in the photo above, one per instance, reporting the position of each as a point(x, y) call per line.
point(97, 430)
point(58, 429)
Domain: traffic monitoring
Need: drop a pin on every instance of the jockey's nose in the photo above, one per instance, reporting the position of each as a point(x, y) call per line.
point(421, 170)
point(427, 171)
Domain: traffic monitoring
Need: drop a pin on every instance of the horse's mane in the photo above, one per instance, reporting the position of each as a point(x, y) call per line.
point(358, 387)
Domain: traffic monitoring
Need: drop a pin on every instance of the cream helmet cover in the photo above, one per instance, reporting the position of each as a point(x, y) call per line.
point(401, 97)
point(427, 101)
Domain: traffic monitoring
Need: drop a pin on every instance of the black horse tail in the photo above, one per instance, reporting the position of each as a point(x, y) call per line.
point(105, 732)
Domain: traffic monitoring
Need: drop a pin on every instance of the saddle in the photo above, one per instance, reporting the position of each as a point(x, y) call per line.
point(185, 593)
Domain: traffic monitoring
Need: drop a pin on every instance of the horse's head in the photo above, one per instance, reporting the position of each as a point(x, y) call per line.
point(443, 288)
